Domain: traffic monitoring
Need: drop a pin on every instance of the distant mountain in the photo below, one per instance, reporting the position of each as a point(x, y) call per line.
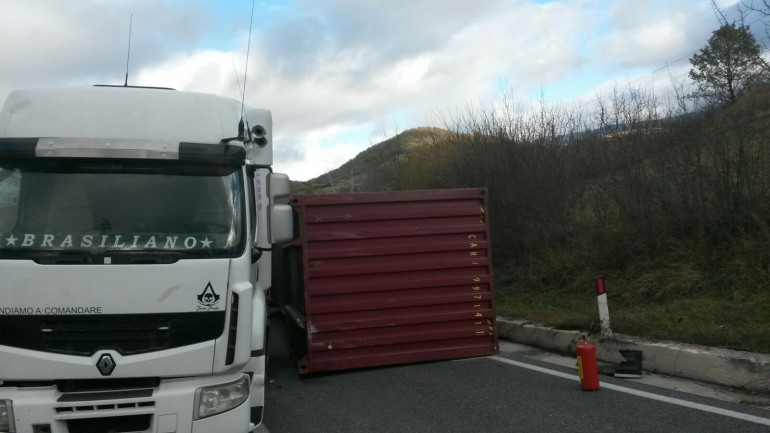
point(374, 168)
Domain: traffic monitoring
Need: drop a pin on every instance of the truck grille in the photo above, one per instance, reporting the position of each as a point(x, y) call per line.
point(118, 424)
point(126, 334)
point(92, 409)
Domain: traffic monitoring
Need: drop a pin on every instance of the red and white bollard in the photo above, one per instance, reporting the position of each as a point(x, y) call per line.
point(604, 311)
point(587, 366)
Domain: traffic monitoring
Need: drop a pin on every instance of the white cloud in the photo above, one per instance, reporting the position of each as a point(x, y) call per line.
point(330, 67)
point(316, 158)
point(205, 71)
point(658, 33)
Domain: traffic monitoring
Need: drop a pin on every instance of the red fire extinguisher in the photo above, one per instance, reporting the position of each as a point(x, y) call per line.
point(587, 366)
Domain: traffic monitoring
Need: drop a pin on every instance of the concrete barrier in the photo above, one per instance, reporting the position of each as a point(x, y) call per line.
point(745, 370)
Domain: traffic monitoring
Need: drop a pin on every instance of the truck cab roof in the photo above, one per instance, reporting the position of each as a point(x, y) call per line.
point(129, 113)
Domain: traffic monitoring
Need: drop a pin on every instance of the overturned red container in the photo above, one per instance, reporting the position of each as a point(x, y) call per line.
point(387, 278)
point(587, 366)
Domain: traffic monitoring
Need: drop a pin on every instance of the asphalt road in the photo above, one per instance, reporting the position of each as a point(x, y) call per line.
point(508, 393)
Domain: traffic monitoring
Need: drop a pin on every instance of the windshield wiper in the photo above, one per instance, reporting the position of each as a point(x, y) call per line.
point(154, 256)
point(44, 257)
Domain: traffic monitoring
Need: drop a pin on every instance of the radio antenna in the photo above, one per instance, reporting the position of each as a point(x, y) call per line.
point(128, 52)
point(248, 49)
point(237, 78)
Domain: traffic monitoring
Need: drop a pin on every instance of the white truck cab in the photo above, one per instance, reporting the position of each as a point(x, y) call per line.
point(135, 235)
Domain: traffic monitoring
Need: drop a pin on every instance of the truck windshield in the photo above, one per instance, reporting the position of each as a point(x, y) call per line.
point(116, 208)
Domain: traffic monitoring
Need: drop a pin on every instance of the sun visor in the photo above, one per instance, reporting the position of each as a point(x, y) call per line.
point(227, 154)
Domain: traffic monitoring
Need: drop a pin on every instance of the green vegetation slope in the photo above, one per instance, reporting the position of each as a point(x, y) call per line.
point(671, 205)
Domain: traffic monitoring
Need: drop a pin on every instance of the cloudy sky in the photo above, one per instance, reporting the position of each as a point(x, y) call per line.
point(341, 75)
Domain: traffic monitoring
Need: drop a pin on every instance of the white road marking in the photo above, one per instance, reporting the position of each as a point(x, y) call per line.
point(676, 401)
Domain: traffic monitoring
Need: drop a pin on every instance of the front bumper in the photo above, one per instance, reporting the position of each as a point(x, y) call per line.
point(167, 408)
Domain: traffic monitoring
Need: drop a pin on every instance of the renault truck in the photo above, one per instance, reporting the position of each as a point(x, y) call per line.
point(136, 228)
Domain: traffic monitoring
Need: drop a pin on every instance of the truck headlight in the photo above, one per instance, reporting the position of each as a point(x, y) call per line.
point(6, 416)
point(212, 400)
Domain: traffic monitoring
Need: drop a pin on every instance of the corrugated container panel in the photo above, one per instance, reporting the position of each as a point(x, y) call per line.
point(394, 277)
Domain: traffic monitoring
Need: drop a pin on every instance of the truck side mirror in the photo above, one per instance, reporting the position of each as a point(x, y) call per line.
point(278, 186)
point(280, 224)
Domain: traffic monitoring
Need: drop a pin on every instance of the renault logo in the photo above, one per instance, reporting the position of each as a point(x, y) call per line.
point(105, 364)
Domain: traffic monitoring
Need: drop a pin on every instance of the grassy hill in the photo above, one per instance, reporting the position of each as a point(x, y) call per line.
point(374, 169)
